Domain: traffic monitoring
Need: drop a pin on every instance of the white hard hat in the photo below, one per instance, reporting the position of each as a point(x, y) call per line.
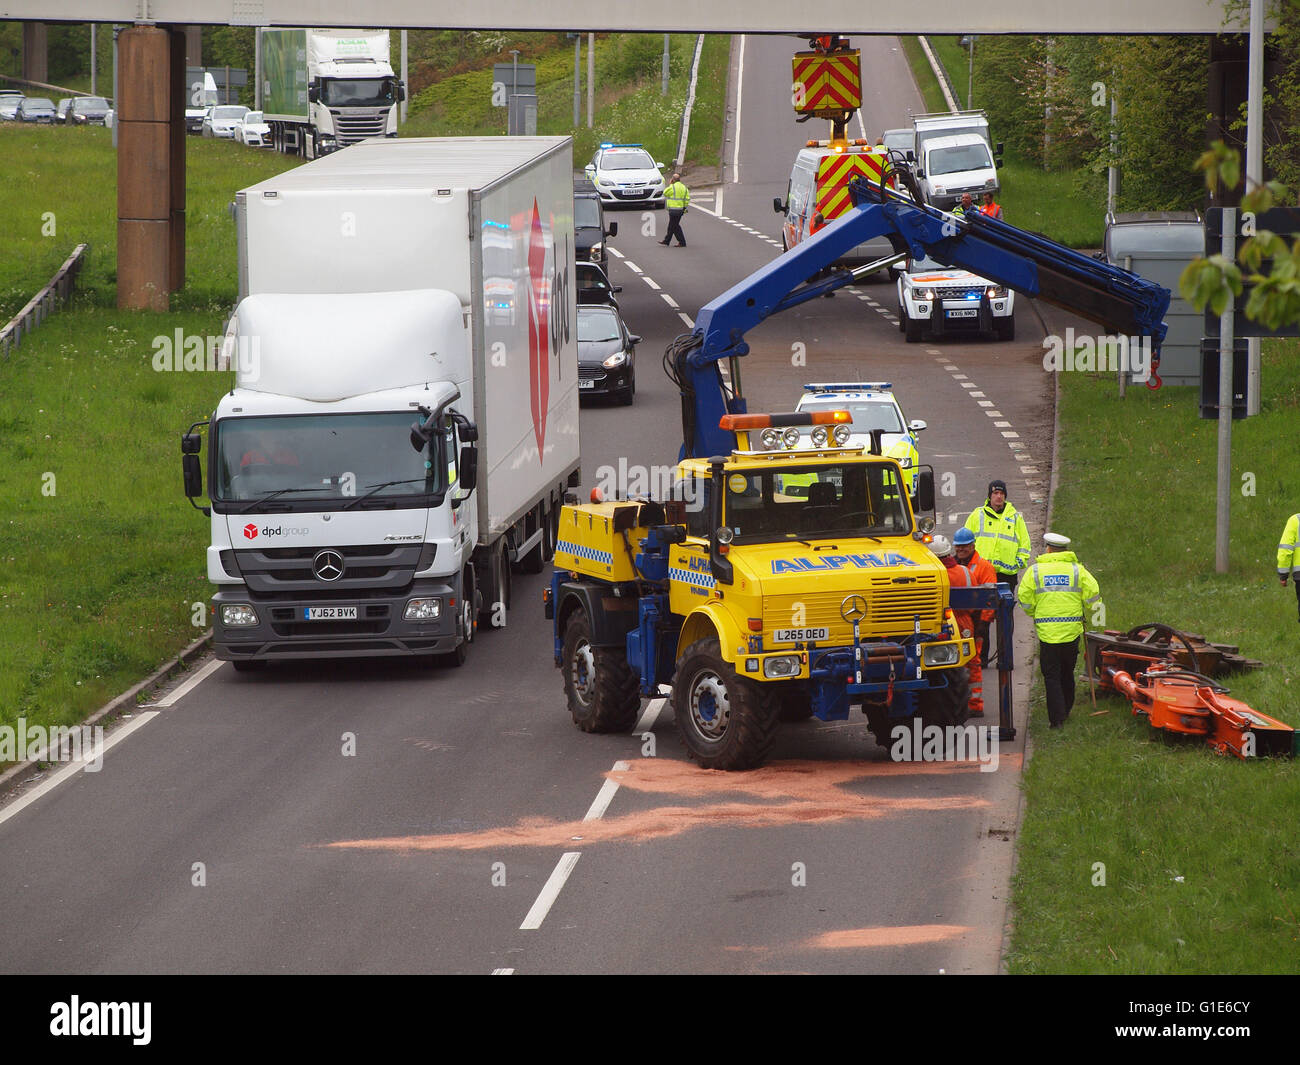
point(940, 546)
point(1056, 540)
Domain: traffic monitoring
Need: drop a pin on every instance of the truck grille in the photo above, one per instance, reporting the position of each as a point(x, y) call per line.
point(891, 608)
point(281, 570)
point(286, 621)
point(351, 127)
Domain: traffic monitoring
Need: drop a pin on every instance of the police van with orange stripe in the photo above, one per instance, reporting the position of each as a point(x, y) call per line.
point(819, 184)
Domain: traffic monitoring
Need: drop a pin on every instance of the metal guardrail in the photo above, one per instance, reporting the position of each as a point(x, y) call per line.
point(44, 303)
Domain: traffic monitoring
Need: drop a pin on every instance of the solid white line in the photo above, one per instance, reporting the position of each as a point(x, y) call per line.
point(551, 890)
point(632, 266)
point(202, 674)
point(735, 148)
point(718, 204)
point(74, 767)
point(686, 318)
point(649, 715)
point(706, 210)
point(616, 253)
point(648, 281)
point(607, 791)
point(669, 300)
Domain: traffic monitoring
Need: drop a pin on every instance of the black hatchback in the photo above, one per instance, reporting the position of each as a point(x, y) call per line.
point(606, 354)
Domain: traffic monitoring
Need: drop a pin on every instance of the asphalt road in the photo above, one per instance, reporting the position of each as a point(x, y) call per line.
point(234, 832)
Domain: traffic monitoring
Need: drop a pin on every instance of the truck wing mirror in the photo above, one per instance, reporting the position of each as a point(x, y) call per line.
point(401, 91)
point(612, 231)
point(925, 489)
point(313, 91)
point(193, 471)
point(778, 206)
point(468, 468)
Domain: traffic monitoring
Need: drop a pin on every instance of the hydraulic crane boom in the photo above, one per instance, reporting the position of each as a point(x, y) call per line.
point(1120, 301)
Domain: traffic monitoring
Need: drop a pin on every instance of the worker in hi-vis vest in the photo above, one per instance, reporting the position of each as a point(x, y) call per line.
point(1288, 554)
point(1054, 591)
point(676, 198)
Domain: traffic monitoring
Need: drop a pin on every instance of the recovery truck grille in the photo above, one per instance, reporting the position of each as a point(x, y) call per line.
point(891, 608)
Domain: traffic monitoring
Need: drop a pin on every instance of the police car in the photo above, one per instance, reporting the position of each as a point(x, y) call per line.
point(626, 173)
point(872, 406)
point(942, 300)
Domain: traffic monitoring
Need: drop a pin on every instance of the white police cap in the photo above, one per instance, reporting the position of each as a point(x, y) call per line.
point(1056, 540)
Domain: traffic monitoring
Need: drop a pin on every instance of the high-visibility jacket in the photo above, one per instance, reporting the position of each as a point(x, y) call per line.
point(1003, 538)
point(981, 572)
point(1288, 557)
point(1054, 591)
point(677, 196)
point(908, 455)
point(959, 577)
point(991, 209)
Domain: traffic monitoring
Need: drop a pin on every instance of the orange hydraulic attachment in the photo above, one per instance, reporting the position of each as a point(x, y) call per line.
point(1188, 704)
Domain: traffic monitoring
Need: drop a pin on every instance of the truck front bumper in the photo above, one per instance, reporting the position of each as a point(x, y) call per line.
point(282, 629)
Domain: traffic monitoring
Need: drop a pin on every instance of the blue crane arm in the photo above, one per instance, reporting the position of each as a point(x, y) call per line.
point(1120, 301)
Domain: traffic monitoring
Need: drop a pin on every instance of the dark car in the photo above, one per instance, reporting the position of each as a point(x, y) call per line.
point(36, 109)
point(590, 234)
point(87, 111)
point(606, 354)
point(594, 287)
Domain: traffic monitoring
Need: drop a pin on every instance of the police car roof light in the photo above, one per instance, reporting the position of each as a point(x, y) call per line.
point(849, 386)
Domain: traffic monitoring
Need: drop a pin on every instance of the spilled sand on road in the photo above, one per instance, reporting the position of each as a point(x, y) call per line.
point(782, 793)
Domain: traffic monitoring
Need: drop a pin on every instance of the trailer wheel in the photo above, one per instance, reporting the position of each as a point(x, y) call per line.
point(601, 689)
point(949, 705)
point(726, 721)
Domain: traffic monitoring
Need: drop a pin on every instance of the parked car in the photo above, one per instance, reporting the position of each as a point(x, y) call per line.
point(36, 109)
point(593, 287)
point(220, 121)
point(88, 111)
point(590, 235)
point(900, 140)
point(626, 173)
point(9, 106)
point(606, 354)
point(252, 131)
point(62, 115)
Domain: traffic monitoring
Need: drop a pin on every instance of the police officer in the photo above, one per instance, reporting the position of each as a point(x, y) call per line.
point(676, 197)
point(1054, 592)
point(1288, 554)
point(1001, 535)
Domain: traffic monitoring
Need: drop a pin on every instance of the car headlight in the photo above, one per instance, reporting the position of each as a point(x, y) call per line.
point(781, 666)
point(423, 610)
point(928, 294)
point(941, 190)
point(996, 292)
point(234, 615)
point(991, 183)
point(616, 360)
point(942, 654)
point(598, 247)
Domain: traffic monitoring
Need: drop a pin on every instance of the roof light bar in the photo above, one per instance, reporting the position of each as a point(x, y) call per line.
point(747, 422)
point(849, 386)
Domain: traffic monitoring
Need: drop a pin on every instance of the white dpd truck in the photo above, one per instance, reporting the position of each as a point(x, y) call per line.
point(404, 421)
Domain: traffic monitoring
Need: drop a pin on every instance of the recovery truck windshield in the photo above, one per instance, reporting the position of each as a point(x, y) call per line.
point(803, 502)
point(324, 462)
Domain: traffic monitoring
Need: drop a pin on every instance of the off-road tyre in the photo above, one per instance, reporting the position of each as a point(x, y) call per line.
point(912, 329)
point(744, 736)
point(601, 689)
point(1005, 328)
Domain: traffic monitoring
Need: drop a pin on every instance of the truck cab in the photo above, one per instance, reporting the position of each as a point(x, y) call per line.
point(952, 166)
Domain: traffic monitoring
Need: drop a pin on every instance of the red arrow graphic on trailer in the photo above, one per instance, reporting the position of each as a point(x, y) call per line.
point(539, 299)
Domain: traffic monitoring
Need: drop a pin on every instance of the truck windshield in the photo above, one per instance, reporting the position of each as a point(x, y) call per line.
point(799, 502)
point(586, 212)
point(358, 92)
point(962, 157)
point(334, 457)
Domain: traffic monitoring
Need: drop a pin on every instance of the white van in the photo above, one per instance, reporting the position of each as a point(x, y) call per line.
point(948, 167)
point(819, 182)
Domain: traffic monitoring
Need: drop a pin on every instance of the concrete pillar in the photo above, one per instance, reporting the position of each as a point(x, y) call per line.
point(36, 58)
point(176, 145)
point(144, 158)
point(193, 46)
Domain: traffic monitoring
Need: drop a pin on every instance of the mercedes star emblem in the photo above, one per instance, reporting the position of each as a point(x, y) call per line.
point(854, 608)
point(327, 565)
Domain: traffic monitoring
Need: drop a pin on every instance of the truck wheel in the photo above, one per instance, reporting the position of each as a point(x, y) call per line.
point(495, 584)
point(949, 705)
point(1005, 327)
point(602, 691)
point(726, 721)
point(468, 621)
point(796, 704)
point(912, 329)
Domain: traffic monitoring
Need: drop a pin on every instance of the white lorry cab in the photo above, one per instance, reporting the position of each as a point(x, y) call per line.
point(819, 184)
point(949, 162)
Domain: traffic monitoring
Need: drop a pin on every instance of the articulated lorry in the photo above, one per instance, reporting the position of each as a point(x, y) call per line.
point(396, 440)
point(326, 89)
point(782, 581)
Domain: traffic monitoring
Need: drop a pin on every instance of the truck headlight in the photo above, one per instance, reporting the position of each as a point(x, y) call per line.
point(771, 438)
point(942, 654)
point(841, 434)
point(597, 248)
point(423, 610)
point(616, 360)
point(234, 615)
point(781, 666)
point(819, 436)
point(790, 437)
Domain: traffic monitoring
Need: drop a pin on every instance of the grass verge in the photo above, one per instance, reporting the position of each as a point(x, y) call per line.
point(1199, 851)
